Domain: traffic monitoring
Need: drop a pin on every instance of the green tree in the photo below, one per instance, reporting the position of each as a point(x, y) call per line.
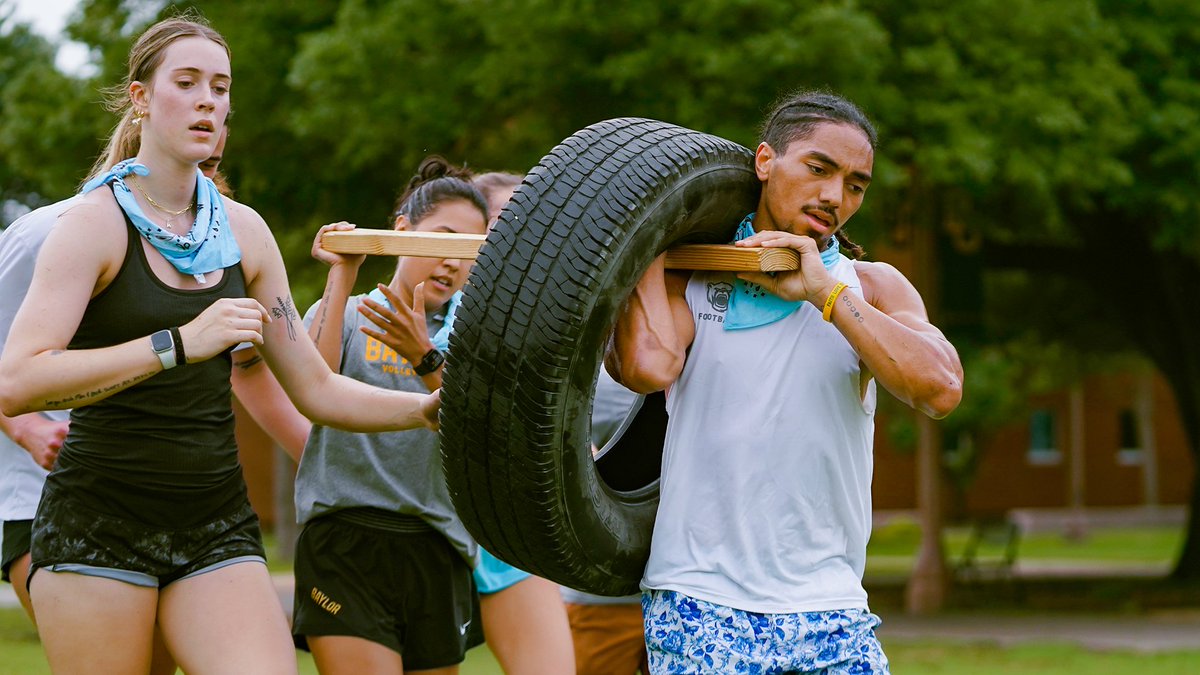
point(1063, 134)
point(24, 56)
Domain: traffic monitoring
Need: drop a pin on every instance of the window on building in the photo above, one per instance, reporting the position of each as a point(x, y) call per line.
point(1129, 452)
point(1043, 438)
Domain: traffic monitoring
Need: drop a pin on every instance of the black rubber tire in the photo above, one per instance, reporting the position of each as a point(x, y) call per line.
point(529, 337)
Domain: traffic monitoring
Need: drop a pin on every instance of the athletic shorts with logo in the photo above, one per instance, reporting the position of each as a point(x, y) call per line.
point(410, 591)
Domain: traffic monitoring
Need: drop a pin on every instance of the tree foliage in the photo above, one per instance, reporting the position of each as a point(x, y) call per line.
point(25, 58)
point(1063, 134)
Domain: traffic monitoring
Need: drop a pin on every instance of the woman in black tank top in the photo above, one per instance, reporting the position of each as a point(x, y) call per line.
point(130, 320)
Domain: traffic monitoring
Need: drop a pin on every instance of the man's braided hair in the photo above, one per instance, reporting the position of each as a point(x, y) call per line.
point(796, 116)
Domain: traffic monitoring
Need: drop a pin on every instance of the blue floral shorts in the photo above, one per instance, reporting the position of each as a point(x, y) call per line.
point(686, 635)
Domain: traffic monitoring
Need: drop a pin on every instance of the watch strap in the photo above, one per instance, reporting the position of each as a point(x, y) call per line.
point(180, 356)
point(432, 360)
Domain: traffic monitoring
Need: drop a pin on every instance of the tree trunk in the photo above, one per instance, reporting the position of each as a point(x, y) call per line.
point(1187, 396)
point(926, 590)
point(1187, 568)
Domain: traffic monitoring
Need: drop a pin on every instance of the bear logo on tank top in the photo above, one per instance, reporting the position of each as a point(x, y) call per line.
point(718, 295)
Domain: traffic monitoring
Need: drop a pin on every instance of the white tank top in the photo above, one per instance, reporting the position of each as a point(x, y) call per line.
point(766, 479)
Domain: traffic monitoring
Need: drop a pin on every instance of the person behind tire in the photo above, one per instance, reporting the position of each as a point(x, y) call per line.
point(139, 292)
point(759, 546)
point(524, 619)
point(383, 563)
point(607, 631)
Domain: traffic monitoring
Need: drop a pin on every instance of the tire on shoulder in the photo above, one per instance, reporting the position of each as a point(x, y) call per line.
point(529, 336)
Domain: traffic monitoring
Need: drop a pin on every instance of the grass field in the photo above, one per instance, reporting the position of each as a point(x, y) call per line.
point(891, 551)
point(20, 654)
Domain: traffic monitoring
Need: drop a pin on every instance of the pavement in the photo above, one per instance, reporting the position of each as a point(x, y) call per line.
point(1154, 631)
point(1157, 630)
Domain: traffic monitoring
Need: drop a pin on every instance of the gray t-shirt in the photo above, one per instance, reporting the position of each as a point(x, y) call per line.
point(399, 471)
point(21, 478)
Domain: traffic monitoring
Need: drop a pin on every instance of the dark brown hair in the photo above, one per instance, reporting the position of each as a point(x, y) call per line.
point(795, 116)
point(437, 181)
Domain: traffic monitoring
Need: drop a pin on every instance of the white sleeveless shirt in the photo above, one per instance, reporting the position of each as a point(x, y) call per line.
point(766, 478)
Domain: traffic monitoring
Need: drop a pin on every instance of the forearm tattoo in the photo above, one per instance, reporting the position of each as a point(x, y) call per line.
point(848, 300)
point(324, 310)
point(247, 364)
point(75, 399)
point(284, 310)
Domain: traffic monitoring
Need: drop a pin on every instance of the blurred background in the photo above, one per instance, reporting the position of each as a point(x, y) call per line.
point(1036, 178)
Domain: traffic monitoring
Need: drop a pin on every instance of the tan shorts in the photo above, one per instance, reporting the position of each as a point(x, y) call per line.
point(609, 639)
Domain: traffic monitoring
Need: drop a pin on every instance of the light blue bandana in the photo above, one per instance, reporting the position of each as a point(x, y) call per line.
point(440, 339)
point(751, 305)
point(208, 246)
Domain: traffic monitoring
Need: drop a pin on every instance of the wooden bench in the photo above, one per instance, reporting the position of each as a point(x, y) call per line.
point(991, 550)
point(1069, 521)
point(994, 542)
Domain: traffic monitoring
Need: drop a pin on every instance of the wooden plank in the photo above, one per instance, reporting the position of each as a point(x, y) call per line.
point(730, 258)
point(416, 244)
point(720, 257)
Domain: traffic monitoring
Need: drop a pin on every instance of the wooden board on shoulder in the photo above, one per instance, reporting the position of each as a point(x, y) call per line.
point(718, 257)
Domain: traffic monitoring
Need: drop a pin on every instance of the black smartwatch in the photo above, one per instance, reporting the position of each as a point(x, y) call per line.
point(432, 360)
point(164, 347)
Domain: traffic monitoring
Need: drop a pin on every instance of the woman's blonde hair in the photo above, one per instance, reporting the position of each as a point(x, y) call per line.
point(144, 59)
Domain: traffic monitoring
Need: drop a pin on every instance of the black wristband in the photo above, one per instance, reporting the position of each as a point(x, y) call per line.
point(432, 360)
point(180, 357)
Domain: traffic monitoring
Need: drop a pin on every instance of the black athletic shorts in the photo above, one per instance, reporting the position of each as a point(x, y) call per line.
point(14, 542)
point(410, 591)
point(70, 538)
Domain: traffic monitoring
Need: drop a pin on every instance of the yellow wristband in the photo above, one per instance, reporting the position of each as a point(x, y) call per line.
point(827, 311)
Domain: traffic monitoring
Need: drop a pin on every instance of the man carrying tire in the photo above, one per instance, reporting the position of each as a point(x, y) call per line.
point(760, 540)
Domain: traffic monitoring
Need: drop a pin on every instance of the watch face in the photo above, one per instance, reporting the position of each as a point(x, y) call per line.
point(161, 341)
point(430, 362)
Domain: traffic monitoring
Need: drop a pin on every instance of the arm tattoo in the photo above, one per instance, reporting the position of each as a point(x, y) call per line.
point(247, 364)
point(74, 399)
point(848, 301)
point(324, 310)
point(284, 310)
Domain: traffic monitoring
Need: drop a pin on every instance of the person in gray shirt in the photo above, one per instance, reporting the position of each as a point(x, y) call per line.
point(30, 442)
point(383, 563)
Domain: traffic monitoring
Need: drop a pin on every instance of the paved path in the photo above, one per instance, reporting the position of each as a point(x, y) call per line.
point(1157, 631)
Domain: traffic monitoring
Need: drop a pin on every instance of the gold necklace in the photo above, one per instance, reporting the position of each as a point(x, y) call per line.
point(171, 215)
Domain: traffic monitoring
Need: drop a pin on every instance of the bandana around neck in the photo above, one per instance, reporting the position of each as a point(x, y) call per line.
point(751, 305)
point(440, 339)
point(207, 247)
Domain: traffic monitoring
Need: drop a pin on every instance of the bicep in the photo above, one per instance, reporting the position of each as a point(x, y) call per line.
point(286, 345)
point(892, 293)
point(681, 313)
